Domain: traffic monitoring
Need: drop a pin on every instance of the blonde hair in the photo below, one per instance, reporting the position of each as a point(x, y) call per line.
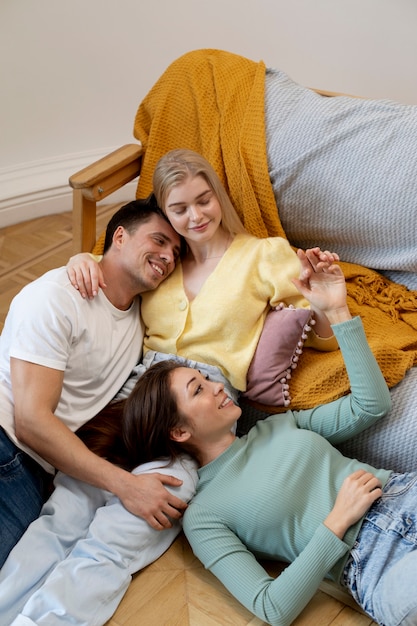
point(176, 166)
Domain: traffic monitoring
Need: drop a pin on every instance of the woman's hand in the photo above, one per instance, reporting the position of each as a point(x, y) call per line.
point(357, 493)
point(85, 274)
point(322, 283)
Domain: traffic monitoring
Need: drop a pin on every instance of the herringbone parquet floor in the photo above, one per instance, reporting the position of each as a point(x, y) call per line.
point(175, 590)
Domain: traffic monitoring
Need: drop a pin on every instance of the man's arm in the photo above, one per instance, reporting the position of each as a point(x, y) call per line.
point(37, 390)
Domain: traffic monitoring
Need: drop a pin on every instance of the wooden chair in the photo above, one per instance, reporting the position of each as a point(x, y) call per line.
point(96, 182)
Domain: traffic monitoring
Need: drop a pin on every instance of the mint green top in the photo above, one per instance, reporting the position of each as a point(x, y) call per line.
point(267, 495)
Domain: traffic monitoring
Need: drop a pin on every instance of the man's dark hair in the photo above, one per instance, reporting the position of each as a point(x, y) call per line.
point(130, 216)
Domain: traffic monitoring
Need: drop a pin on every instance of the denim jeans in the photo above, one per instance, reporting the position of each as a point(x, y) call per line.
point(23, 490)
point(75, 562)
point(381, 571)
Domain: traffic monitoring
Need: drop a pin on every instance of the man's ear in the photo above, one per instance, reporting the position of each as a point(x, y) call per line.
point(180, 434)
point(118, 235)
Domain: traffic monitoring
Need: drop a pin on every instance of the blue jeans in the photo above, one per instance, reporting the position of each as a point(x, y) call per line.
point(23, 490)
point(381, 571)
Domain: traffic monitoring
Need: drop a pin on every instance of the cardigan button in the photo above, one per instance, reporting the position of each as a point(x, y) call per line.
point(182, 305)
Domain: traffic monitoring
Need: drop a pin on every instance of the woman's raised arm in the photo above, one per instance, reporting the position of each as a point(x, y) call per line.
point(85, 274)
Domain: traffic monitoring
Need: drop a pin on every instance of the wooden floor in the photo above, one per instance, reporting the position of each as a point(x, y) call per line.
point(175, 590)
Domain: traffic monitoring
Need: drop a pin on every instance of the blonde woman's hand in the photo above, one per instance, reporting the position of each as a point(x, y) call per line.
point(323, 284)
point(85, 274)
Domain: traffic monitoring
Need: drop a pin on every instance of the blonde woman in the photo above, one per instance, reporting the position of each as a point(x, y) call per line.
point(212, 309)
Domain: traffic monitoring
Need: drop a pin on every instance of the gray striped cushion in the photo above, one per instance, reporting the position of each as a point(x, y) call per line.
point(344, 173)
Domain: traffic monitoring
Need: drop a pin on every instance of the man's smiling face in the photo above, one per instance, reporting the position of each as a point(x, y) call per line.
point(150, 252)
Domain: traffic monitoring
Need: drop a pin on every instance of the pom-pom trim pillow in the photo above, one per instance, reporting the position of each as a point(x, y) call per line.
point(277, 354)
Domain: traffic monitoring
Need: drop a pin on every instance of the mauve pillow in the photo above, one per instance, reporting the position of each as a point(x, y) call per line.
point(278, 351)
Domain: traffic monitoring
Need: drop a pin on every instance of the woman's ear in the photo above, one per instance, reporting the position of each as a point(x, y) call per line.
point(180, 434)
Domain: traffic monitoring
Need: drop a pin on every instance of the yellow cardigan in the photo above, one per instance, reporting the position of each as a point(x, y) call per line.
point(221, 326)
point(212, 101)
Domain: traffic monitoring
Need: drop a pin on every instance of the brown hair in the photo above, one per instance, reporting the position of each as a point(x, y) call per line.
point(150, 414)
point(176, 166)
point(103, 434)
point(131, 216)
point(138, 429)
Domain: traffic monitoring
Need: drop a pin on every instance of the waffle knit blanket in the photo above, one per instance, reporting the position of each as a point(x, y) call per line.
point(212, 102)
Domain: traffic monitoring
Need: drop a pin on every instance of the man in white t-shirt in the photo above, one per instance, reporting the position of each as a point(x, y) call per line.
point(62, 359)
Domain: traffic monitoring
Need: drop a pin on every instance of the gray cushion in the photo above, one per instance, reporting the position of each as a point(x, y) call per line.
point(391, 442)
point(344, 173)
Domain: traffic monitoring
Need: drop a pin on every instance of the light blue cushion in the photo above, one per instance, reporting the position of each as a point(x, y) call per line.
point(344, 173)
point(391, 442)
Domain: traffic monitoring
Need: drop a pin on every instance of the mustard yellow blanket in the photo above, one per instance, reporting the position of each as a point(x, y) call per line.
point(212, 101)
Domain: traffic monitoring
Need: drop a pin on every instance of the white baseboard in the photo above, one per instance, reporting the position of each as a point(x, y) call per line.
point(32, 190)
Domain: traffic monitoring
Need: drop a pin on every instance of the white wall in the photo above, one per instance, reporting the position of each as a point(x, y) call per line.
point(73, 71)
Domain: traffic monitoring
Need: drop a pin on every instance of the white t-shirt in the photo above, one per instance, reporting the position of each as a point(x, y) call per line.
point(92, 342)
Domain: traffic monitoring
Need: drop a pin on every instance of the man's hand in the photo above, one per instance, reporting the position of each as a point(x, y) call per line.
point(144, 495)
point(37, 390)
point(357, 493)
